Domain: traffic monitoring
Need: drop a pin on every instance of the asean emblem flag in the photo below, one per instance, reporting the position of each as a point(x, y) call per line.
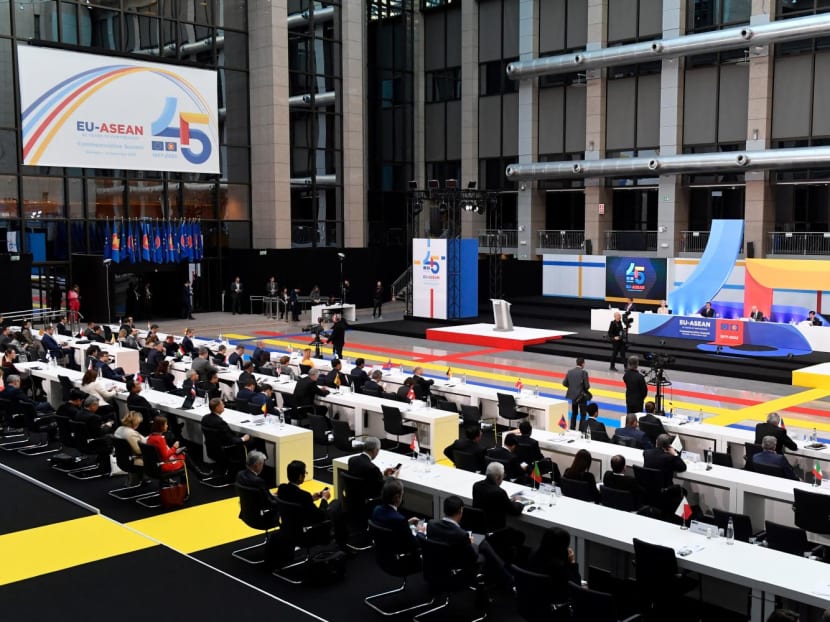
point(410, 395)
point(519, 384)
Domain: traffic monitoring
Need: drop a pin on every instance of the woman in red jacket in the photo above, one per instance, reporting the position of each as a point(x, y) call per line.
point(172, 458)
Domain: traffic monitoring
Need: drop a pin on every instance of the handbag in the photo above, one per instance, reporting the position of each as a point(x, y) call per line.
point(173, 496)
point(584, 397)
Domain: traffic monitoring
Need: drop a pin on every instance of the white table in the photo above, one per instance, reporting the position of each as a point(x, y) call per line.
point(126, 358)
point(765, 572)
point(348, 311)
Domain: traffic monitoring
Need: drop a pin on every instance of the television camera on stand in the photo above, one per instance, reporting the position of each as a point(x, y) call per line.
point(656, 377)
point(316, 331)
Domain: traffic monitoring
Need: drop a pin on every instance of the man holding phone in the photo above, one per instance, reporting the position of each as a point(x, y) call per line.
point(311, 514)
point(362, 466)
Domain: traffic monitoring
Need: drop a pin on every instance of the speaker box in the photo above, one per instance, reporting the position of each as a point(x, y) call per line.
point(589, 247)
point(750, 250)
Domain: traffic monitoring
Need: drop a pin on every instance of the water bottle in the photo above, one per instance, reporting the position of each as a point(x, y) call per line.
point(814, 437)
point(699, 415)
point(282, 418)
point(730, 532)
point(536, 391)
point(588, 433)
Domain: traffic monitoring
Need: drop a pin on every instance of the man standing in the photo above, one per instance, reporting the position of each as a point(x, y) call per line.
point(773, 428)
point(377, 301)
point(236, 296)
point(577, 384)
point(337, 339)
point(187, 301)
point(616, 335)
point(635, 387)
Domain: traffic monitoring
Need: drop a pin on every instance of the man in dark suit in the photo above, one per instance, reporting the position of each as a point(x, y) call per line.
point(707, 310)
point(96, 427)
point(813, 319)
point(136, 401)
point(247, 374)
point(420, 384)
point(756, 314)
point(187, 347)
point(664, 458)
point(636, 389)
point(629, 306)
point(471, 444)
point(769, 457)
point(236, 358)
point(597, 427)
point(246, 393)
point(630, 431)
point(16, 395)
point(51, 345)
point(373, 385)
point(528, 452)
point(617, 479)
point(337, 338)
point(236, 296)
point(292, 493)
point(307, 389)
point(616, 335)
point(202, 365)
point(489, 496)
point(513, 469)
point(250, 478)
point(256, 355)
point(72, 406)
point(156, 356)
point(362, 466)
point(359, 375)
point(577, 383)
point(336, 378)
point(386, 514)
point(213, 423)
point(448, 531)
point(107, 372)
point(772, 427)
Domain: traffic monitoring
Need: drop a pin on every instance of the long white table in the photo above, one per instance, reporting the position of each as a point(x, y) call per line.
point(348, 311)
point(126, 358)
point(765, 572)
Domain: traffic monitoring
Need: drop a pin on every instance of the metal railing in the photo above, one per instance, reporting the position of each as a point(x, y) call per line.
point(561, 239)
point(630, 240)
point(693, 241)
point(798, 243)
point(402, 285)
point(507, 238)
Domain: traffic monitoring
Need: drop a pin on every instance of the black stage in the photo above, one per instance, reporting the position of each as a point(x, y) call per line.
point(570, 314)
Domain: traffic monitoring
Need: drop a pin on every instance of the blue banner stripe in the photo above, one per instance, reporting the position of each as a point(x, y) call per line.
point(584, 264)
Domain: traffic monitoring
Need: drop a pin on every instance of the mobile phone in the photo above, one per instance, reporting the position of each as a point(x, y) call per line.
point(398, 466)
point(325, 489)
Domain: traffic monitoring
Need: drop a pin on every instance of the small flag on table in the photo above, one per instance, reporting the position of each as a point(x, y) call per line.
point(519, 385)
point(781, 424)
point(138, 379)
point(410, 395)
point(449, 372)
point(563, 423)
point(817, 472)
point(182, 350)
point(536, 476)
point(264, 408)
point(91, 364)
point(684, 510)
point(387, 365)
point(337, 380)
point(414, 446)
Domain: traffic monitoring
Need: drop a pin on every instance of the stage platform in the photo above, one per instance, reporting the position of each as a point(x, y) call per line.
point(814, 376)
point(485, 335)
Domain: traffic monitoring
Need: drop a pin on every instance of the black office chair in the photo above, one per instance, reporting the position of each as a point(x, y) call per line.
point(69, 445)
point(508, 409)
point(792, 540)
point(40, 430)
point(812, 511)
point(304, 369)
point(445, 575)
point(651, 481)
point(741, 523)
point(300, 538)
point(446, 405)
point(659, 581)
point(625, 441)
point(750, 449)
point(651, 430)
point(228, 459)
point(153, 469)
point(322, 438)
point(12, 422)
point(125, 459)
point(66, 387)
point(393, 423)
point(257, 512)
point(577, 489)
point(766, 469)
point(475, 520)
point(591, 606)
point(98, 447)
point(536, 597)
point(466, 461)
point(157, 384)
point(295, 413)
point(357, 507)
point(719, 458)
point(617, 499)
point(397, 557)
point(472, 414)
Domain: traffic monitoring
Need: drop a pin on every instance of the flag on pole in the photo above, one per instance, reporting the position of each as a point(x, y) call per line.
point(449, 373)
point(684, 510)
point(264, 408)
point(781, 424)
point(107, 240)
point(519, 385)
point(115, 244)
point(410, 395)
point(387, 365)
point(817, 472)
point(145, 241)
point(563, 423)
point(91, 364)
point(414, 446)
point(192, 391)
point(337, 380)
point(138, 379)
point(182, 350)
point(536, 476)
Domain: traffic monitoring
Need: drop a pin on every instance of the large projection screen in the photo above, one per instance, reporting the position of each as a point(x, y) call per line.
point(90, 111)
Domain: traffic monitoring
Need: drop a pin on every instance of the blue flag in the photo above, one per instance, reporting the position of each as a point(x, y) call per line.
point(198, 242)
point(115, 243)
point(107, 240)
point(145, 241)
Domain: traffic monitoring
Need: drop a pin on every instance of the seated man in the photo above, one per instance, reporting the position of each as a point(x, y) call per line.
point(219, 428)
point(138, 402)
point(756, 314)
point(336, 377)
point(471, 444)
point(156, 355)
point(362, 466)
point(406, 392)
point(489, 496)
point(386, 513)
point(617, 479)
point(373, 385)
point(246, 375)
point(237, 357)
point(247, 392)
point(191, 383)
point(265, 397)
point(169, 345)
point(528, 451)
point(514, 470)
point(108, 372)
point(219, 358)
point(51, 345)
point(421, 384)
point(186, 347)
point(772, 427)
point(448, 531)
point(73, 405)
point(598, 431)
point(630, 431)
point(359, 375)
point(306, 390)
point(310, 514)
point(202, 365)
point(250, 478)
point(769, 457)
point(98, 435)
point(664, 458)
point(16, 395)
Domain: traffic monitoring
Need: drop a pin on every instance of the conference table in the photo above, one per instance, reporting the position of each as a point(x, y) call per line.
point(283, 442)
point(125, 358)
point(761, 497)
point(603, 537)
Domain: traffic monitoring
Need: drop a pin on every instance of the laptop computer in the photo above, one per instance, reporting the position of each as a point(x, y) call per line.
point(188, 403)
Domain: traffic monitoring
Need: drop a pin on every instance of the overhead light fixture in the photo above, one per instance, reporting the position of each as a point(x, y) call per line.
point(471, 185)
point(433, 184)
point(413, 185)
point(451, 184)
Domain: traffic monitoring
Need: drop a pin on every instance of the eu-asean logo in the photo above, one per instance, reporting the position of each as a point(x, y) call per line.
point(193, 143)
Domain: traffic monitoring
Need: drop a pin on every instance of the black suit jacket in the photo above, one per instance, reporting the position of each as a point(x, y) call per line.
point(187, 345)
point(422, 386)
point(248, 478)
point(623, 482)
point(490, 497)
point(758, 316)
point(457, 539)
point(780, 434)
point(370, 387)
point(338, 333)
point(665, 462)
point(92, 422)
point(135, 400)
point(362, 466)
point(649, 418)
point(471, 447)
point(306, 390)
point(214, 423)
point(513, 466)
point(154, 357)
point(636, 391)
point(598, 431)
point(710, 312)
point(310, 513)
point(389, 517)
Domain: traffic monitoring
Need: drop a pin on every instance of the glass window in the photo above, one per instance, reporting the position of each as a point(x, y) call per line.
point(75, 197)
point(8, 198)
point(5, 21)
point(106, 29)
point(710, 14)
point(105, 198)
point(443, 85)
point(198, 200)
point(235, 50)
point(234, 15)
point(8, 151)
point(7, 86)
point(47, 240)
point(233, 202)
point(42, 197)
point(145, 199)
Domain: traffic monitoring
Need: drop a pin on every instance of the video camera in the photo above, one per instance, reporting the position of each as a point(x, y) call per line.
point(658, 361)
point(315, 329)
point(627, 320)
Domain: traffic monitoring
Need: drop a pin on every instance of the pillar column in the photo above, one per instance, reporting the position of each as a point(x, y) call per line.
point(470, 223)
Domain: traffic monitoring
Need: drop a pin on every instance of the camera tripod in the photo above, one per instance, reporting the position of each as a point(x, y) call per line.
point(657, 378)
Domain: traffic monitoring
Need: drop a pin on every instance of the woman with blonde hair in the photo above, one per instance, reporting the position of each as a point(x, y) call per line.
point(91, 384)
point(128, 431)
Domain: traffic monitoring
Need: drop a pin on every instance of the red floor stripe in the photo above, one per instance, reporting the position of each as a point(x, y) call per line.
point(458, 356)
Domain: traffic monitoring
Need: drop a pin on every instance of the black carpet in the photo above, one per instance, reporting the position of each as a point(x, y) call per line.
point(153, 584)
point(27, 506)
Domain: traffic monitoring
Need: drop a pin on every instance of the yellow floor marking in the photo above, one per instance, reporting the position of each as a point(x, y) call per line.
point(34, 552)
point(235, 336)
point(759, 412)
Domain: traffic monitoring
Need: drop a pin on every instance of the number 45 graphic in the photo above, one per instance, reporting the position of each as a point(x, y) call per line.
point(187, 135)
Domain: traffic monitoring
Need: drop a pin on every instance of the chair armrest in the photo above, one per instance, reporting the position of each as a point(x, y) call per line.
point(636, 616)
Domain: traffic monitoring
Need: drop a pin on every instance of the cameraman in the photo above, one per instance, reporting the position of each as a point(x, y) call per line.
point(617, 333)
point(636, 389)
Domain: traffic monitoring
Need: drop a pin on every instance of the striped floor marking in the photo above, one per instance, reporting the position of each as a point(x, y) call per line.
point(759, 412)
